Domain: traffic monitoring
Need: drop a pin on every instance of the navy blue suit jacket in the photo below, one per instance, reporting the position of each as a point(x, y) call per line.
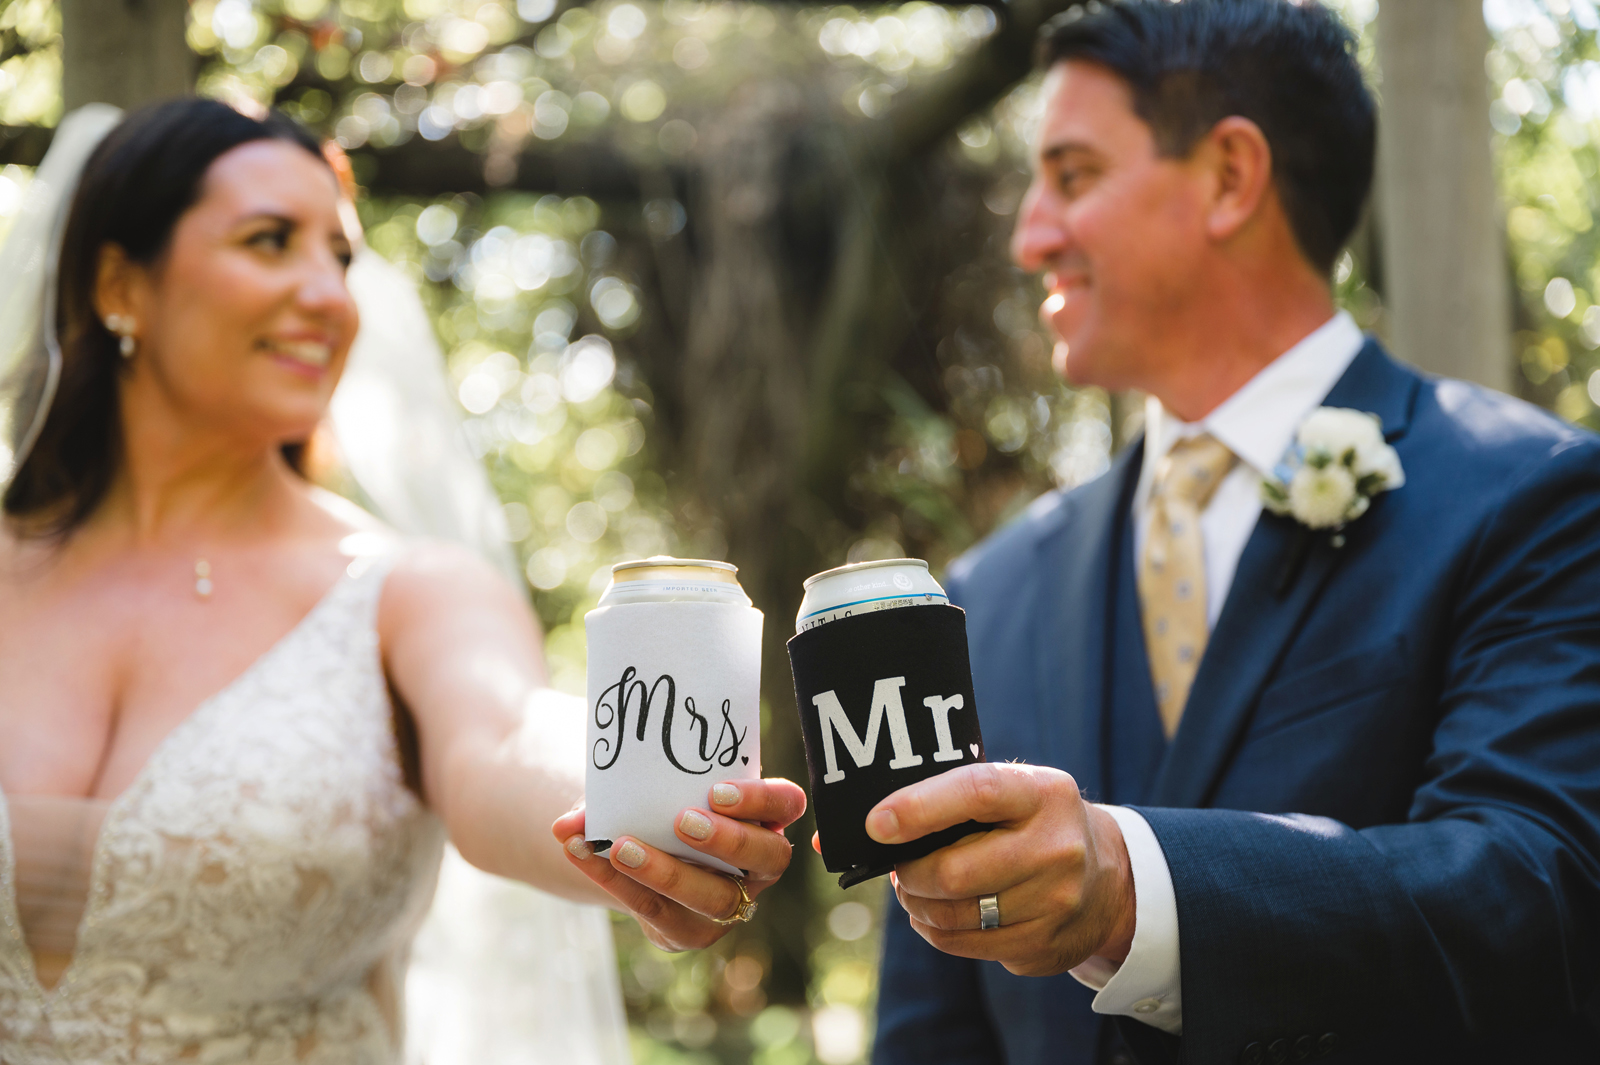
point(1381, 809)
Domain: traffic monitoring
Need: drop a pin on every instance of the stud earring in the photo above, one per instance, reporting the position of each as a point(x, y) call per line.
point(127, 345)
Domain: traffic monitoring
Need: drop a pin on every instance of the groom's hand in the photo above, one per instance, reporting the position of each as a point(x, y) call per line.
point(1058, 865)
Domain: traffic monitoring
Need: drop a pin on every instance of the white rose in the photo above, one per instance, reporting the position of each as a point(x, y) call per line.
point(1322, 498)
point(1383, 460)
point(1336, 430)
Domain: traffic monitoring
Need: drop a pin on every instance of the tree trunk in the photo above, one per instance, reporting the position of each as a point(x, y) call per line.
point(124, 52)
point(1445, 282)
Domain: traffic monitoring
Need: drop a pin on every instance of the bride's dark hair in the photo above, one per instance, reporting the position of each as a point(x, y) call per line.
point(135, 186)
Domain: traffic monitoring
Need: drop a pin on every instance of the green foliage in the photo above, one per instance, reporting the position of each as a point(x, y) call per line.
point(514, 284)
point(711, 1006)
point(30, 63)
point(1544, 70)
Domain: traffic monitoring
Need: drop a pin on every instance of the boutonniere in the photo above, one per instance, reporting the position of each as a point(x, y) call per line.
point(1337, 464)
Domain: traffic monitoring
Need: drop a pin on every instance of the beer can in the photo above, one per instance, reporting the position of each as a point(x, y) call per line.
point(674, 698)
point(864, 587)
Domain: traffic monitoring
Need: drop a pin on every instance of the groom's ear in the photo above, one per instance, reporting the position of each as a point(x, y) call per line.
point(1237, 161)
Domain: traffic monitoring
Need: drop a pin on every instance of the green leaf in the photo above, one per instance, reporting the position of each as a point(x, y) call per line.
point(1371, 484)
point(1274, 496)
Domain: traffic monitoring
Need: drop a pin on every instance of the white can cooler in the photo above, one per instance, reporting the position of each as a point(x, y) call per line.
point(674, 693)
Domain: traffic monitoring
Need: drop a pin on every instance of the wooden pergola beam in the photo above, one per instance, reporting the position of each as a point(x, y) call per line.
point(422, 168)
point(426, 168)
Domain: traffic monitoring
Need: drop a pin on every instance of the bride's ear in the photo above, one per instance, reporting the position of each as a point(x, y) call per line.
point(118, 286)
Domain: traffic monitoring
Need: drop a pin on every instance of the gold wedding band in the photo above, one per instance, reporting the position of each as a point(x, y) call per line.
point(988, 912)
point(742, 912)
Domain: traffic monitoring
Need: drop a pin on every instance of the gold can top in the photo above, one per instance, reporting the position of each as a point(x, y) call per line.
point(664, 567)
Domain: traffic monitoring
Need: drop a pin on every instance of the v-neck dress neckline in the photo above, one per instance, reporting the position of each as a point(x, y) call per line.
point(194, 721)
point(256, 878)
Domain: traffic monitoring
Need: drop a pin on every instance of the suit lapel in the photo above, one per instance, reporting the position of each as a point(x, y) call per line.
point(1075, 561)
point(1378, 385)
point(1258, 623)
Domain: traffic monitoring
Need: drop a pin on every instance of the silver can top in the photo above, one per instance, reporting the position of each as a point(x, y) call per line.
point(864, 587)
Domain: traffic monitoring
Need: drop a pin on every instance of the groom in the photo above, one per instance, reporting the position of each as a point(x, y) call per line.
point(1351, 775)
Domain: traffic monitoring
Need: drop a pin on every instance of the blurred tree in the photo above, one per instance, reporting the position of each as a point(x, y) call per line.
point(124, 52)
point(1444, 265)
point(1545, 112)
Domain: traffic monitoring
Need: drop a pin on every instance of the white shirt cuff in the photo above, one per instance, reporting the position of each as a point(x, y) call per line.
point(1146, 986)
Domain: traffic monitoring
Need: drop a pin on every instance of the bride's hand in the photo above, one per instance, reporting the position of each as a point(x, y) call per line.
point(675, 901)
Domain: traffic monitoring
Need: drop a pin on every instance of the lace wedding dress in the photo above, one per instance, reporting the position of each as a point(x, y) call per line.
point(252, 896)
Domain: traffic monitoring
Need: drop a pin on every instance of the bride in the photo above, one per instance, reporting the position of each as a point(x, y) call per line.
point(240, 715)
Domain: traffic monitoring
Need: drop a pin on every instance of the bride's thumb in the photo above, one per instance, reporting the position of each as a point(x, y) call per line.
point(568, 824)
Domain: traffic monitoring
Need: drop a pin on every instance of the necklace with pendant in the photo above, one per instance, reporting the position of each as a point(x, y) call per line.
point(202, 579)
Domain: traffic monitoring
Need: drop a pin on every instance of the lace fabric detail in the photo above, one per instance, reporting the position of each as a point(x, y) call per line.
point(255, 890)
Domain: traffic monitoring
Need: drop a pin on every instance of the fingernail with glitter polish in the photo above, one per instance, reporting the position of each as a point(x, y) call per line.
point(724, 794)
point(695, 824)
point(630, 854)
point(579, 848)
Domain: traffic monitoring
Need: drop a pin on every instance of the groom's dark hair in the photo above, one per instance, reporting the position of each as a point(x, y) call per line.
point(1289, 66)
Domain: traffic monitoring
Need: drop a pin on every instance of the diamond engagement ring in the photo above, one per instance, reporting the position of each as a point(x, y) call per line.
point(742, 912)
point(988, 911)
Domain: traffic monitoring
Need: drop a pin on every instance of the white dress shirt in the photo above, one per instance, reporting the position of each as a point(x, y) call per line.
point(1257, 423)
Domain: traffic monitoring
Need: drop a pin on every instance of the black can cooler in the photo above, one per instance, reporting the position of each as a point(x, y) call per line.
point(885, 700)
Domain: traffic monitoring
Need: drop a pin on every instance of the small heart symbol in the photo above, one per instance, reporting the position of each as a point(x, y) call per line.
point(974, 748)
point(745, 758)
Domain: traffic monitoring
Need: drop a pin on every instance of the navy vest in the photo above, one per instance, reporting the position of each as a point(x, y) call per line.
point(1134, 744)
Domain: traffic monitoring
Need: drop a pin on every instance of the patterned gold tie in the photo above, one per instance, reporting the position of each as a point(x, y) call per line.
point(1172, 575)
